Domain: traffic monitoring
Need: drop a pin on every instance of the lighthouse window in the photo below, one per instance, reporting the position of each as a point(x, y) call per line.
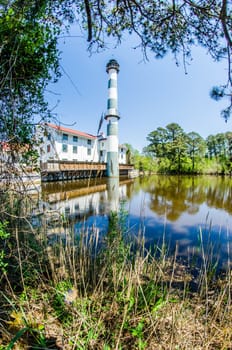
point(89, 151)
point(89, 142)
point(65, 137)
point(48, 148)
point(49, 137)
point(74, 149)
point(75, 139)
point(64, 148)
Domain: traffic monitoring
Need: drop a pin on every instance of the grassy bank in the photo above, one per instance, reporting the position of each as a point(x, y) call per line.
point(91, 292)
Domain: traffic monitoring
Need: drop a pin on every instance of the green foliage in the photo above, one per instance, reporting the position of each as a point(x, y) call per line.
point(3, 238)
point(26, 327)
point(30, 58)
point(106, 347)
point(220, 92)
point(126, 305)
point(59, 305)
point(140, 161)
point(16, 338)
point(217, 93)
point(165, 27)
point(117, 249)
point(138, 333)
point(30, 158)
point(196, 148)
point(151, 294)
point(3, 230)
point(178, 152)
point(37, 334)
point(28, 61)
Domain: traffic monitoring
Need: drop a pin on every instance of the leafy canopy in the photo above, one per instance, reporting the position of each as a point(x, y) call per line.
point(174, 150)
point(29, 32)
point(28, 60)
point(167, 26)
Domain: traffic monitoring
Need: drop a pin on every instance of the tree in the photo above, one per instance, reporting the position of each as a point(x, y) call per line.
point(30, 29)
point(229, 144)
point(211, 146)
point(28, 61)
point(219, 148)
point(176, 145)
point(169, 144)
point(130, 153)
point(157, 142)
point(196, 147)
point(166, 26)
point(221, 145)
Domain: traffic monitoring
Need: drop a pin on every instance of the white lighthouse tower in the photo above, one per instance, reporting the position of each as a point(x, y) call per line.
point(112, 116)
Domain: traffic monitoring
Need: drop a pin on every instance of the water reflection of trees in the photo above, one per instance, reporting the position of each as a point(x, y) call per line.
point(220, 194)
point(174, 195)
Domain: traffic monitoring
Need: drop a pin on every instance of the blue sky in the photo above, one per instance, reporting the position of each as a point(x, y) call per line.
point(150, 94)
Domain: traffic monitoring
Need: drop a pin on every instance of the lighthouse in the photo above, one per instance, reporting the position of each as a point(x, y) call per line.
point(112, 116)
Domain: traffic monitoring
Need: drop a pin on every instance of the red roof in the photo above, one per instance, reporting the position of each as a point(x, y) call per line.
point(71, 131)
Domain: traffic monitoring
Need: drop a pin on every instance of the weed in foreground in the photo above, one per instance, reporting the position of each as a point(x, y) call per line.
point(111, 300)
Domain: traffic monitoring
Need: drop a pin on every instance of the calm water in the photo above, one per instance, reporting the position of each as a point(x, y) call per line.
point(178, 210)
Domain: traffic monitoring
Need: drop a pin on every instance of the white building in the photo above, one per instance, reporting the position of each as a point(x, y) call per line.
point(61, 143)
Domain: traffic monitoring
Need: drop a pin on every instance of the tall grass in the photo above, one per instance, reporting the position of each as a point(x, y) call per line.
point(85, 291)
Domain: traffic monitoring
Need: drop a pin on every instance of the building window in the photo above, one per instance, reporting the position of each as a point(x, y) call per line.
point(48, 148)
point(75, 139)
point(65, 137)
point(64, 148)
point(103, 144)
point(74, 149)
point(89, 151)
point(89, 142)
point(101, 153)
point(121, 150)
point(49, 136)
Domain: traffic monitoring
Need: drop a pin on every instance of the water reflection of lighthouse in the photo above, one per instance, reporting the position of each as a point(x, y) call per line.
point(97, 199)
point(113, 193)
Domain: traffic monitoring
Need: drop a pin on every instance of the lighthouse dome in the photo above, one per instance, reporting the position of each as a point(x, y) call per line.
point(112, 64)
